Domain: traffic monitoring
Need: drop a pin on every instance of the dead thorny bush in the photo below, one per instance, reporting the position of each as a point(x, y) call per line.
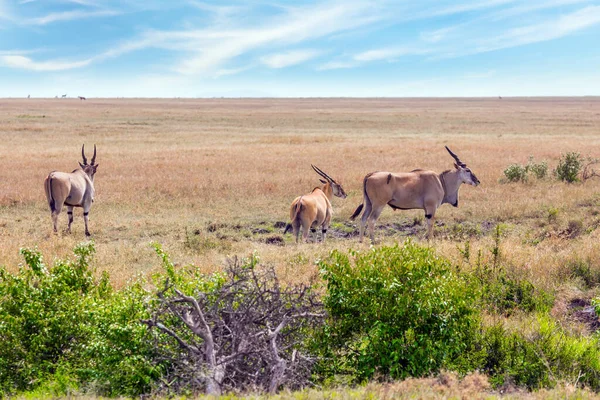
point(238, 331)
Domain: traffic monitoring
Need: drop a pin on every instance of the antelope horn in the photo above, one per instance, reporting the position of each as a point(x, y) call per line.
point(462, 164)
point(323, 174)
point(83, 154)
point(94, 157)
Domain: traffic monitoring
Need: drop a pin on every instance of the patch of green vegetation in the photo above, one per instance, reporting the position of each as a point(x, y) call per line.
point(28, 116)
point(64, 331)
point(198, 242)
point(520, 173)
point(343, 227)
point(569, 166)
point(394, 311)
point(540, 356)
point(552, 214)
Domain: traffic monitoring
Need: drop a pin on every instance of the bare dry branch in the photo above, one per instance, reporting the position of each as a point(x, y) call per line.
point(250, 329)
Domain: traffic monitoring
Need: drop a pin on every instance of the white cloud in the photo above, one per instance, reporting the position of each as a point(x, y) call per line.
point(389, 54)
point(22, 62)
point(297, 25)
point(480, 75)
point(289, 58)
point(336, 65)
point(230, 71)
point(551, 29)
point(70, 15)
point(438, 35)
point(531, 6)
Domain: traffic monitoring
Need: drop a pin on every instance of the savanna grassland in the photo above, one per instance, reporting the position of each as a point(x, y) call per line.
point(214, 178)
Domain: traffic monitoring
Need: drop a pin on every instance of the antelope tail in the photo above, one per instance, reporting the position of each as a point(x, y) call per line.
point(366, 196)
point(294, 216)
point(357, 211)
point(51, 202)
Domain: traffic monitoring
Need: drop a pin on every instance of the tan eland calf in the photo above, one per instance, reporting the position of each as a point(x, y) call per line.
point(314, 209)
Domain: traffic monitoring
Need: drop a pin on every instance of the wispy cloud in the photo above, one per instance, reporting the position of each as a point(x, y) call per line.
point(336, 65)
point(438, 35)
point(458, 8)
point(289, 58)
point(295, 26)
point(390, 53)
point(533, 6)
point(551, 29)
point(22, 62)
point(481, 75)
point(70, 15)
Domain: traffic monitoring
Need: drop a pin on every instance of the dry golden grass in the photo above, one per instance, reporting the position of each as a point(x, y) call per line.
point(210, 178)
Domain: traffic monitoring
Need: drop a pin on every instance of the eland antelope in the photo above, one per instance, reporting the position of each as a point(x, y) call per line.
point(417, 189)
point(314, 209)
point(74, 189)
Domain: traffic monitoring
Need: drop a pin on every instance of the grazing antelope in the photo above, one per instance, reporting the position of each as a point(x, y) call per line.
point(314, 209)
point(81, 98)
point(412, 190)
point(75, 189)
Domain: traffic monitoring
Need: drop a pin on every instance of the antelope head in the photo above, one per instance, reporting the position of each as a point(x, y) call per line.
point(90, 168)
point(336, 188)
point(465, 175)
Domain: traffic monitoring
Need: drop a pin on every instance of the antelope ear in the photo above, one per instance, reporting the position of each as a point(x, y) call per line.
point(96, 167)
point(81, 165)
point(323, 181)
point(456, 166)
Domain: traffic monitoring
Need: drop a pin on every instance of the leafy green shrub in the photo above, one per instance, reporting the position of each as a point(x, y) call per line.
point(539, 170)
point(584, 270)
point(541, 358)
point(516, 173)
point(520, 173)
point(504, 295)
point(63, 331)
point(394, 311)
point(569, 166)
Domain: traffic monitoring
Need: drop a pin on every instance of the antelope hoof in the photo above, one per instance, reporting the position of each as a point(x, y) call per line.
point(87, 234)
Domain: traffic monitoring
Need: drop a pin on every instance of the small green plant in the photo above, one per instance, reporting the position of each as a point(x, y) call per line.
point(520, 173)
point(569, 166)
point(516, 173)
point(539, 170)
point(552, 214)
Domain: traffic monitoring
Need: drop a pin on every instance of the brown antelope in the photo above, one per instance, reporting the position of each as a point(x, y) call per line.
point(417, 189)
point(314, 209)
point(75, 189)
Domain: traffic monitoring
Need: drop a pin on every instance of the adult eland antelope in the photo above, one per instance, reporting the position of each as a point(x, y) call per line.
point(417, 189)
point(314, 209)
point(74, 189)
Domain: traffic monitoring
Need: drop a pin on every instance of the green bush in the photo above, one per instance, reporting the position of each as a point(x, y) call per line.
point(64, 331)
point(516, 173)
point(540, 358)
point(520, 173)
point(539, 170)
point(394, 311)
point(569, 166)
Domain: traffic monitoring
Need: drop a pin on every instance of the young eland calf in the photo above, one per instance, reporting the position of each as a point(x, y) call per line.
point(314, 209)
point(417, 189)
point(74, 189)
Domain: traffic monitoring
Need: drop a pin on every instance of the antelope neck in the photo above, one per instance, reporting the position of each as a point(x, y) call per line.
point(450, 198)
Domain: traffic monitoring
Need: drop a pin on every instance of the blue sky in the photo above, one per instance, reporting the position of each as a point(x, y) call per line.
point(193, 48)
